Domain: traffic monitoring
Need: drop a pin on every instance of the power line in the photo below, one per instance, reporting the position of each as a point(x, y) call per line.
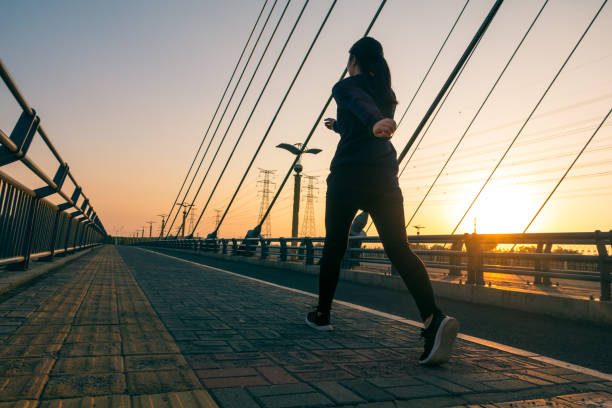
point(481, 30)
point(432, 63)
point(530, 115)
point(219, 105)
point(239, 104)
point(567, 171)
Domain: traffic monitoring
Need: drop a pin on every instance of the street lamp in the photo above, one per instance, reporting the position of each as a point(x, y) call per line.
point(296, 149)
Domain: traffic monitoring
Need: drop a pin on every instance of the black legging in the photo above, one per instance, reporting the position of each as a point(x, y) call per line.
point(387, 211)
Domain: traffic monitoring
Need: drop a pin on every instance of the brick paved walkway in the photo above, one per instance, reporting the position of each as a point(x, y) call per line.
point(131, 328)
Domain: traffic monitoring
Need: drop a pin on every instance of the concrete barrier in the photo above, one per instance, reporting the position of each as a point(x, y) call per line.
point(559, 306)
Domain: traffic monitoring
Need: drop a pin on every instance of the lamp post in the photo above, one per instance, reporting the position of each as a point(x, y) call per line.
point(163, 224)
point(296, 150)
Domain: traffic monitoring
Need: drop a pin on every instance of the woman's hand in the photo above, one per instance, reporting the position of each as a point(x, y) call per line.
point(329, 123)
point(384, 128)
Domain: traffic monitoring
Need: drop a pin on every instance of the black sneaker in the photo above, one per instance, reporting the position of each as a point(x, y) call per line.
point(318, 320)
point(439, 339)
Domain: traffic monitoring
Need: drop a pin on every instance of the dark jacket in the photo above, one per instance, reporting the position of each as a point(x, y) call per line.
point(362, 162)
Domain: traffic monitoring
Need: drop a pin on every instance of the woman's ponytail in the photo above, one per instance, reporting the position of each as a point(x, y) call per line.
point(369, 55)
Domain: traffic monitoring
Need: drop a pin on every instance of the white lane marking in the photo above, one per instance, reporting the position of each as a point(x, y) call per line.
point(477, 340)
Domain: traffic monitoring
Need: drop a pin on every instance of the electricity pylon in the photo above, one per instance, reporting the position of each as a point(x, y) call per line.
point(181, 230)
point(309, 228)
point(265, 191)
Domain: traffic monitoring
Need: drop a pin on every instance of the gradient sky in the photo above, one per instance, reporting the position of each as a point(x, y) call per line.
point(126, 89)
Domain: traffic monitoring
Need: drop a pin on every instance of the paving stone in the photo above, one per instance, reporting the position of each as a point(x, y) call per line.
point(49, 328)
point(276, 375)
point(394, 381)
point(232, 377)
point(284, 389)
point(184, 399)
point(506, 385)
point(234, 398)
point(20, 404)
point(367, 391)
point(432, 402)
point(80, 385)
point(535, 403)
point(37, 350)
point(106, 401)
point(590, 399)
point(100, 364)
point(156, 362)
point(146, 347)
point(94, 334)
point(25, 366)
point(416, 391)
point(21, 387)
point(225, 328)
point(201, 361)
point(90, 349)
point(296, 400)
point(337, 393)
point(156, 382)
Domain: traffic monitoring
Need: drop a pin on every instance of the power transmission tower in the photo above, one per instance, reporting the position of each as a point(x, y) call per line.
point(218, 212)
point(265, 190)
point(309, 228)
point(192, 218)
point(182, 226)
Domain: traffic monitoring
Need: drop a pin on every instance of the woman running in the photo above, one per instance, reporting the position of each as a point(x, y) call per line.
point(363, 175)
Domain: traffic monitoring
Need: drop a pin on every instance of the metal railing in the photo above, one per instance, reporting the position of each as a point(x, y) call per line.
point(465, 253)
point(31, 227)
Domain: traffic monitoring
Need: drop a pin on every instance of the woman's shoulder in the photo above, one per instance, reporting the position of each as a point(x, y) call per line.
point(356, 81)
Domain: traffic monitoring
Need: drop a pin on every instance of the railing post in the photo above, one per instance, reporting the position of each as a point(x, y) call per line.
point(264, 248)
point(542, 265)
point(53, 236)
point(309, 251)
point(283, 249)
point(475, 266)
point(234, 246)
point(224, 246)
point(537, 279)
point(26, 249)
point(455, 260)
point(604, 271)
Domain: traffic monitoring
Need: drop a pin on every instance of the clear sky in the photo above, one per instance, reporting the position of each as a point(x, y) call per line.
point(126, 89)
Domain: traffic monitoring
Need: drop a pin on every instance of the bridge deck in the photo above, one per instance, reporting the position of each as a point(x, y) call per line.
point(133, 328)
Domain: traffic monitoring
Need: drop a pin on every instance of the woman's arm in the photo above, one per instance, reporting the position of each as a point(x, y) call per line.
point(358, 102)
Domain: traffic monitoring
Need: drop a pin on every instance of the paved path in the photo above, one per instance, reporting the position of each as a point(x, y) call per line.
point(132, 328)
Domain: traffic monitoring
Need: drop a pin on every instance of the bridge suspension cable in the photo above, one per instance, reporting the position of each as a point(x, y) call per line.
point(432, 64)
point(280, 55)
point(530, 115)
point(219, 105)
point(299, 70)
point(263, 54)
point(567, 171)
point(314, 127)
point(503, 71)
point(439, 108)
point(483, 28)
